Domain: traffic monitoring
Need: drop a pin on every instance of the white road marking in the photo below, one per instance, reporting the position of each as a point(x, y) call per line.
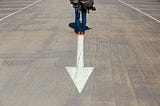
point(20, 10)
point(80, 52)
point(80, 74)
point(139, 11)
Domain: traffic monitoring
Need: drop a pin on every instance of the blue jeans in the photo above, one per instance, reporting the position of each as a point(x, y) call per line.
point(80, 27)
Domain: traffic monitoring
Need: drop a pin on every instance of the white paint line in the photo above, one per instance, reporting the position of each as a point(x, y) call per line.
point(139, 11)
point(80, 52)
point(80, 76)
point(20, 10)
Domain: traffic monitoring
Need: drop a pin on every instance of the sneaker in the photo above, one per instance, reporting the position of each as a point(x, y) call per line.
point(78, 33)
point(82, 33)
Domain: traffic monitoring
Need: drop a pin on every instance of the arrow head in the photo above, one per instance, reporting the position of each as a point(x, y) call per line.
point(79, 76)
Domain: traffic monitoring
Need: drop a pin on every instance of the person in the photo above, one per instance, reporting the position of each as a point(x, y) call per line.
point(80, 27)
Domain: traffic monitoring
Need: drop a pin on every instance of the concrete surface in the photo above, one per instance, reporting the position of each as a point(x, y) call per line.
point(122, 45)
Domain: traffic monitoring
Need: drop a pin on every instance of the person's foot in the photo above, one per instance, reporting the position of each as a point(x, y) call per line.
point(78, 33)
point(82, 33)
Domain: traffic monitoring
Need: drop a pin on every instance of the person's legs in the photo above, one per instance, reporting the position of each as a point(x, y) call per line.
point(84, 20)
point(77, 19)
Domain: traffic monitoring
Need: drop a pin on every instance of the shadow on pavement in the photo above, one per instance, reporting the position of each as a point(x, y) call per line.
point(72, 25)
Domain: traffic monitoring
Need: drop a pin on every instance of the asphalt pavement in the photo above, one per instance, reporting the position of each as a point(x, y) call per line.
point(122, 43)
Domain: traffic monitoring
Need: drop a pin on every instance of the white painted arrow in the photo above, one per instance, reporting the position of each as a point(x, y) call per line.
point(80, 74)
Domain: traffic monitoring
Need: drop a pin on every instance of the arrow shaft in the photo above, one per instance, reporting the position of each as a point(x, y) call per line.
point(80, 74)
point(80, 52)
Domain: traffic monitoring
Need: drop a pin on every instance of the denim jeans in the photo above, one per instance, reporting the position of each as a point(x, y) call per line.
point(80, 27)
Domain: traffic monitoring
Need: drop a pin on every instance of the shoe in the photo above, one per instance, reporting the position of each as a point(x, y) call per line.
point(82, 33)
point(78, 33)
